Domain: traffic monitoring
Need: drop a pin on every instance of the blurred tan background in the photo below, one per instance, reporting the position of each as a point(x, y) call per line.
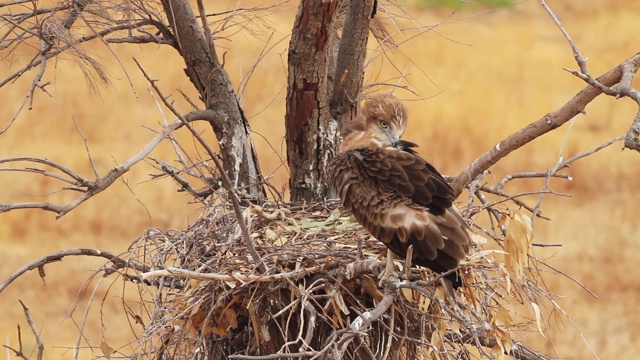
point(479, 76)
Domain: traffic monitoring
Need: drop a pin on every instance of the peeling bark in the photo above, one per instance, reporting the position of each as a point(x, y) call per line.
point(311, 133)
point(318, 58)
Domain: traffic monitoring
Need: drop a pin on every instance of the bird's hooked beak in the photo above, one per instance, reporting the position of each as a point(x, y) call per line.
point(394, 139)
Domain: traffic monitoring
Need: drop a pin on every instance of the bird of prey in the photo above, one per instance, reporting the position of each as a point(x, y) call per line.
point(396, 195)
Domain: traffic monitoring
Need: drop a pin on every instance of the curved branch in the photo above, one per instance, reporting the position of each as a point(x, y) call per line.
point(90, 188)
point(541, 126)
point(118, 262)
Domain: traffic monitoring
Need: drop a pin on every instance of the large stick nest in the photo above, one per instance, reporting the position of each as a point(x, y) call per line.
point(320, 297)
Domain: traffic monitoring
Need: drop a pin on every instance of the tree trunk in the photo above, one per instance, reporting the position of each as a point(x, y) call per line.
point(311, 133)
point(212, 82)
point(317, 58)
point(349, 70)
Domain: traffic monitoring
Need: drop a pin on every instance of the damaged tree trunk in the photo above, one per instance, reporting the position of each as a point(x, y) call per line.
point(316, 53)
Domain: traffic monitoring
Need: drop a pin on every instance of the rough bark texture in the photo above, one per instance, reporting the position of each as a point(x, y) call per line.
point(319, 63)
point(349, 71)
point(212, 82)
point(311, 132)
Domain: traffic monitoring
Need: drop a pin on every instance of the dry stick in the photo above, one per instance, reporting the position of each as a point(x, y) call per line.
point(53, 52)
point(518, 351)
point(632, 138)
point(35, 83)
point(27, 314)
point(624, 88)
point(475, 334)
point(58, 256)
point(582, 63)
point(85, 318)
point(592, 151)
point(558, 271)
point(541, 126)
point(241, 278)
point(226, 182)
point(529, 175)
point(86, 147)
point(94, 187)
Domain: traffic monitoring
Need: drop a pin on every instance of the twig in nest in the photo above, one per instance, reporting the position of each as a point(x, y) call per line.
point(173, 271)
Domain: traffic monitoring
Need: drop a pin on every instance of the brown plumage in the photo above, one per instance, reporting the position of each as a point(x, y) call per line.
point(396, 195)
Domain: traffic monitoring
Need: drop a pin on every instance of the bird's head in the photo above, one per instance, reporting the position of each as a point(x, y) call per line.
point(385, 119)
point(381, 123)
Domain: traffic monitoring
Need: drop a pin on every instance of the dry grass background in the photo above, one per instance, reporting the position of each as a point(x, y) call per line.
point(479, 78)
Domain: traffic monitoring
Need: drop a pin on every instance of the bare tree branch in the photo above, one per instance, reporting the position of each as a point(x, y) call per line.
point(90, 188)
point(623, 88)
point(118, 263)
point(212, 81)
point(541, 126)
point(240, 278)
point(20, 352)
point(226, 182)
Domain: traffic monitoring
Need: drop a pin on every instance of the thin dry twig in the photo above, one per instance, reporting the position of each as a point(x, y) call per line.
point(118, 263)
point(90, 188)
point(621, 89)
point(240, 278)
point(541, 126)
point(19, 352)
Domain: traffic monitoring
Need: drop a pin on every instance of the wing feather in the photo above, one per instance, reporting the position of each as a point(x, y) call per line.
point(409, 175)
point(402, 200)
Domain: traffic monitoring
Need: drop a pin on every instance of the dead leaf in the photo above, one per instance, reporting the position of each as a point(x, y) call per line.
point(339, 300)
point(517, 243)
point(506, 276)
point(106, 349)
point(424, 303)
point(501, 321)
point(271, 235)
point(407, 293)
point(478, 239)
point(536, 313)
point(254, 323)
point(335, 214)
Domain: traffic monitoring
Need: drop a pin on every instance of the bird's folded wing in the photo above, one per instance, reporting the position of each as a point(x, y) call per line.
point(409, 175)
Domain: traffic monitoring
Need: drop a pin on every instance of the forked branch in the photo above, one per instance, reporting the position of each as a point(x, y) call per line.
point(547, 123)
point(87, 187)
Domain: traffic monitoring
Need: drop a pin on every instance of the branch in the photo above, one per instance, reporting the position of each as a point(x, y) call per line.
point(241, 278)
point(361, 324)
point(118, 263)
point(19, 352)
point(32, 326)
point(541, 126)
point(518, 350)
point(624, 88)
point(226, 182)
point(94, 187)
point(77, 6)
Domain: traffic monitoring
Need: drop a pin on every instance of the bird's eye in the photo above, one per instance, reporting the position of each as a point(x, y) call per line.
point(383, 124)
